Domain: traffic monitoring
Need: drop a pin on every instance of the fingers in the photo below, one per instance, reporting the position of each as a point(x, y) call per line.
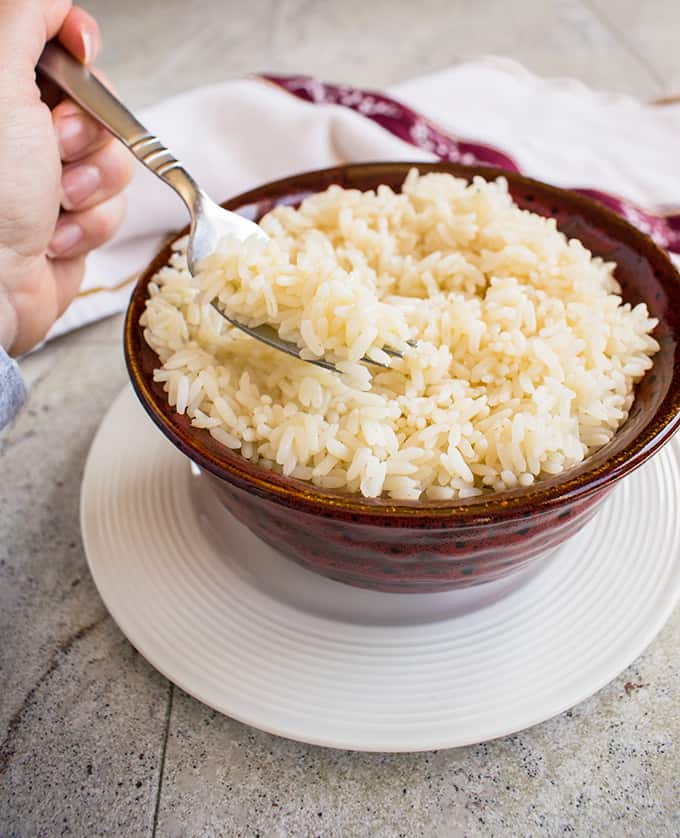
point(77, 133)
point(97, 177)
point(80, 34)
point(77, 233)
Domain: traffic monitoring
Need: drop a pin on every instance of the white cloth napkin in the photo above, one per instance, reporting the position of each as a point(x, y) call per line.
point(235, 135)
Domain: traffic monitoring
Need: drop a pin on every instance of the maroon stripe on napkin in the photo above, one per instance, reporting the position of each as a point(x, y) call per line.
point(413, 128)
point(398, 119)
point(663, 229)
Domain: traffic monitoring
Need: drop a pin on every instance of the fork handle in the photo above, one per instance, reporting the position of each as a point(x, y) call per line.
point(84, 87)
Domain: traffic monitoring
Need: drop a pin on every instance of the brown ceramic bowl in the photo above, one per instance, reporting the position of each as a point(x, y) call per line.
point(436, 546)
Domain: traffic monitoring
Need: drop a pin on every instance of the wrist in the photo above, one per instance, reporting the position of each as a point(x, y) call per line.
point(8, 321)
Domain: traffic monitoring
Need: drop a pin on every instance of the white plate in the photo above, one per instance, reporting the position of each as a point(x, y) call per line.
point(255, 636)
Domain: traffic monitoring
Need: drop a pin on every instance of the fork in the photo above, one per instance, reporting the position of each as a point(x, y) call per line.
point(209, 222)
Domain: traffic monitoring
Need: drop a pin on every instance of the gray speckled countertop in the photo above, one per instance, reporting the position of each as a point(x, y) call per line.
point(93, 741)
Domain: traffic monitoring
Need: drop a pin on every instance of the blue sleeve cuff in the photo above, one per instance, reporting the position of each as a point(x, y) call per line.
point(12, 390)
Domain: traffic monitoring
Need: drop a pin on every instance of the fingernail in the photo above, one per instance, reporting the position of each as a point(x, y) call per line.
point(79, 183)
point(88, 47)
point(66, 236)
point(74, 133)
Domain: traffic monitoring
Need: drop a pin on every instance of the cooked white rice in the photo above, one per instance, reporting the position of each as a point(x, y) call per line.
point(526, 359)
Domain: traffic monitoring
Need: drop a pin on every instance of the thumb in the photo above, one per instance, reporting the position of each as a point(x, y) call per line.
point(80, 35)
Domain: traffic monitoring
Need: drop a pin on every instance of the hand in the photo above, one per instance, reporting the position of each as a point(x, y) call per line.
point(61, 175)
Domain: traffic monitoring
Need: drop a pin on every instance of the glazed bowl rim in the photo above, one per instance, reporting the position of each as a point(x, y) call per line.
point(542, 496)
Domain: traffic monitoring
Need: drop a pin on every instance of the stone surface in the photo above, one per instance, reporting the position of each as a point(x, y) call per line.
point(82, 716)
point(93, 740)
point(174, 44)
point(608, 767)
point(650, 32)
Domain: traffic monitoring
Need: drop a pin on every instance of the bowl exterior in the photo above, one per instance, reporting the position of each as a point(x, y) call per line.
point(398, 557)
